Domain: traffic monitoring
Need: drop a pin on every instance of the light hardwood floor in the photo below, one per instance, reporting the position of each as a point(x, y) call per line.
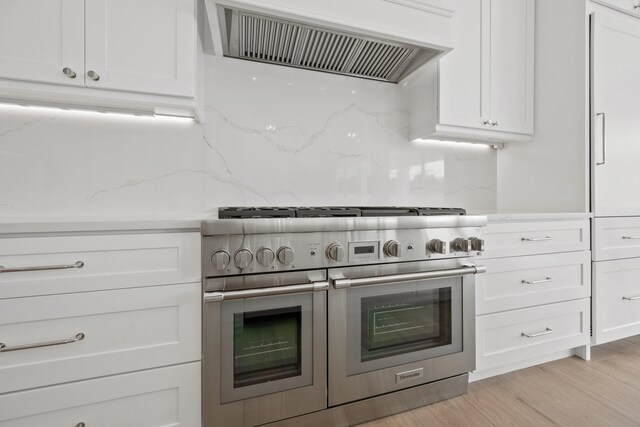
point(567, 392)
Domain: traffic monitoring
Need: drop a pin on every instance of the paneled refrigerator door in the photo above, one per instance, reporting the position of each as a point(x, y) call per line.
point(615, 115)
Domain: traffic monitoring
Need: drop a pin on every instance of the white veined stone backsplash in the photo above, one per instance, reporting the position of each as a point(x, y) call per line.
point(272, 136)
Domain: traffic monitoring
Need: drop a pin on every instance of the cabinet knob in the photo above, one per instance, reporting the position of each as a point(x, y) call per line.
point(80, 425)
point(487, 122)
point(69, 72)
point(495, 123)
point(93, 75)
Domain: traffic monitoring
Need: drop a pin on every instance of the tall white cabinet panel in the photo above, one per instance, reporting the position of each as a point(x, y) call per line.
point(41, 47)
point(141, 46)
point(615, 71)
point(511, 65)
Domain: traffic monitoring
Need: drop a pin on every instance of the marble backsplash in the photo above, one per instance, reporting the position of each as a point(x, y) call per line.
point(272, 136)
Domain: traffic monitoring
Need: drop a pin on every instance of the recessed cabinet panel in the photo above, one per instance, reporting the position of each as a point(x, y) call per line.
point(511, 59)
point(141, 46)
point(460, 71)
point(39, 39)
point(615, 123)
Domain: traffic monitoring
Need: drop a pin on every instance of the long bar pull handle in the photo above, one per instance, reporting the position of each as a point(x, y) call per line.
point(78, 337)
point(604, 139)
point(631, 298)
point(410, 277)
point(265, 292)
point(537, 282)
point(78, 264)
point(631, 237)
point(536, 239)
point(547, 331)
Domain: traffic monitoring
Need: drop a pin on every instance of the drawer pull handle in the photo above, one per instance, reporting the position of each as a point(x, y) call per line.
point(631, 237)
point(4, 348)
point(78, 264)
point(547, 331)
point(537, 282)
point(536, 239)
point(631, 298)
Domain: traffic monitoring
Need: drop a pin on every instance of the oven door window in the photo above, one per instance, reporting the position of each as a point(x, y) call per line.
point(266, 345)
point(402, 323)
point(405, 323)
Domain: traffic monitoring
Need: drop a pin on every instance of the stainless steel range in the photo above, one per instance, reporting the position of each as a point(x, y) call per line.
point(335, 316)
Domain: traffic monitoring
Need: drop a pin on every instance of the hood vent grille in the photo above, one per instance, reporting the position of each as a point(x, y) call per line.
point(277, 41)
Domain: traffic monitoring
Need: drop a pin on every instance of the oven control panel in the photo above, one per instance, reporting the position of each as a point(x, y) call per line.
point(261, 253)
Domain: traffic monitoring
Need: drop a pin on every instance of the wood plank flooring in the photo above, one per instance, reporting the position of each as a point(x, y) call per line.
point(567, 392)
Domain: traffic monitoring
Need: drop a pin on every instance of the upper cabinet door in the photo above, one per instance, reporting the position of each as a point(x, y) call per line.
point(511, 64)
point(40, 39)
point(615, 114)
point(461, 71)
point(144, 46)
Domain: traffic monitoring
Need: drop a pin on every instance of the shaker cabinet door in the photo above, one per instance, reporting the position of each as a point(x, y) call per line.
point(615, 115)
point(511, 64)
point(144, 46)
point(41, 40)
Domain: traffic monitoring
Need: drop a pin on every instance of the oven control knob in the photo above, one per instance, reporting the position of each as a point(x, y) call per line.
point(392, 248)
point(243, 258)
point(265, 257)
point(477, 244)
point(220, 259)
point(461, 245)
point(437, 246)
point(285, 255)
point(335, 252)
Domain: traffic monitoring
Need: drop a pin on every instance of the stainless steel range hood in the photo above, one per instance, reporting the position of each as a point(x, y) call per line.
point(319, 46)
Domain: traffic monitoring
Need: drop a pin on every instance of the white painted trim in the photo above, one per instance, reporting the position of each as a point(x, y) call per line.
point(481, 375)
point(426, 6)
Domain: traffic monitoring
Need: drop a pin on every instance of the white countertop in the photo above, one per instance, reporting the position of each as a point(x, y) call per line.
point(189, 221)
point(532, 216)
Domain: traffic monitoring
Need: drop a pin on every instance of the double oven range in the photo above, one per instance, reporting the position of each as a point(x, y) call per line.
point(335, 316)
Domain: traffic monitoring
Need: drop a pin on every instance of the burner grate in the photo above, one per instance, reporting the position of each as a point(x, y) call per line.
point(332, 212)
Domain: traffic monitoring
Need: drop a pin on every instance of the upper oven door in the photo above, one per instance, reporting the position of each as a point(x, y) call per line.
point(399, 325)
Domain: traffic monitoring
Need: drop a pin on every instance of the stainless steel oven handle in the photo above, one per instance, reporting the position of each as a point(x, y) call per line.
point(410, 277)
point(265, 292)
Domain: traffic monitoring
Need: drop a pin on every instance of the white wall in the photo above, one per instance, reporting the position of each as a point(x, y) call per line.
point(272, 136)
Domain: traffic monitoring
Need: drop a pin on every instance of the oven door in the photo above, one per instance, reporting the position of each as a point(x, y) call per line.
point(399, 325)
point(264, 348)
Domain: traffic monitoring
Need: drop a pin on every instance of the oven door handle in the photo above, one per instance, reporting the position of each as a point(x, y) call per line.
point(410, 277)
point(265, 292)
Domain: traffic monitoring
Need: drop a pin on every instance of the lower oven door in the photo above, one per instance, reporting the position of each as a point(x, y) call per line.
point(264, 348)
point(399, 325)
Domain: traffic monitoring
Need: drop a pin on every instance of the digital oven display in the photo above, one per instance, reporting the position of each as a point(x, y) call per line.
point(359, 250)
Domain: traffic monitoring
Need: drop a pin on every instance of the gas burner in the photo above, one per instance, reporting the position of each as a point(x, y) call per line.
point(332, 212)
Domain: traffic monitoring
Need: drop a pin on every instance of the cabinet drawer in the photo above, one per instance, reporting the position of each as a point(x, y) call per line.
point(159, 397)
point(108, 262)
point(123, 330)
point(615, 238)
point(627, 6)
point(616, 314)
point(533, 238)
point(501, 338)
point(519, 282)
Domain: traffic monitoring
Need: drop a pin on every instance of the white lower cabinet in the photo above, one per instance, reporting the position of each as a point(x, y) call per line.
point(616, 299)
point(512, 336)
point(111, 332)
point(100, 329)
point(533, 303)
point(164, 397)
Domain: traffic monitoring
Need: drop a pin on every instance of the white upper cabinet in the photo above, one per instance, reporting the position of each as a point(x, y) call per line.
point(39, 39)
point(482, 90)
point(125, 55)
point(631, 7)
point(141, 46)
point(615, 115)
